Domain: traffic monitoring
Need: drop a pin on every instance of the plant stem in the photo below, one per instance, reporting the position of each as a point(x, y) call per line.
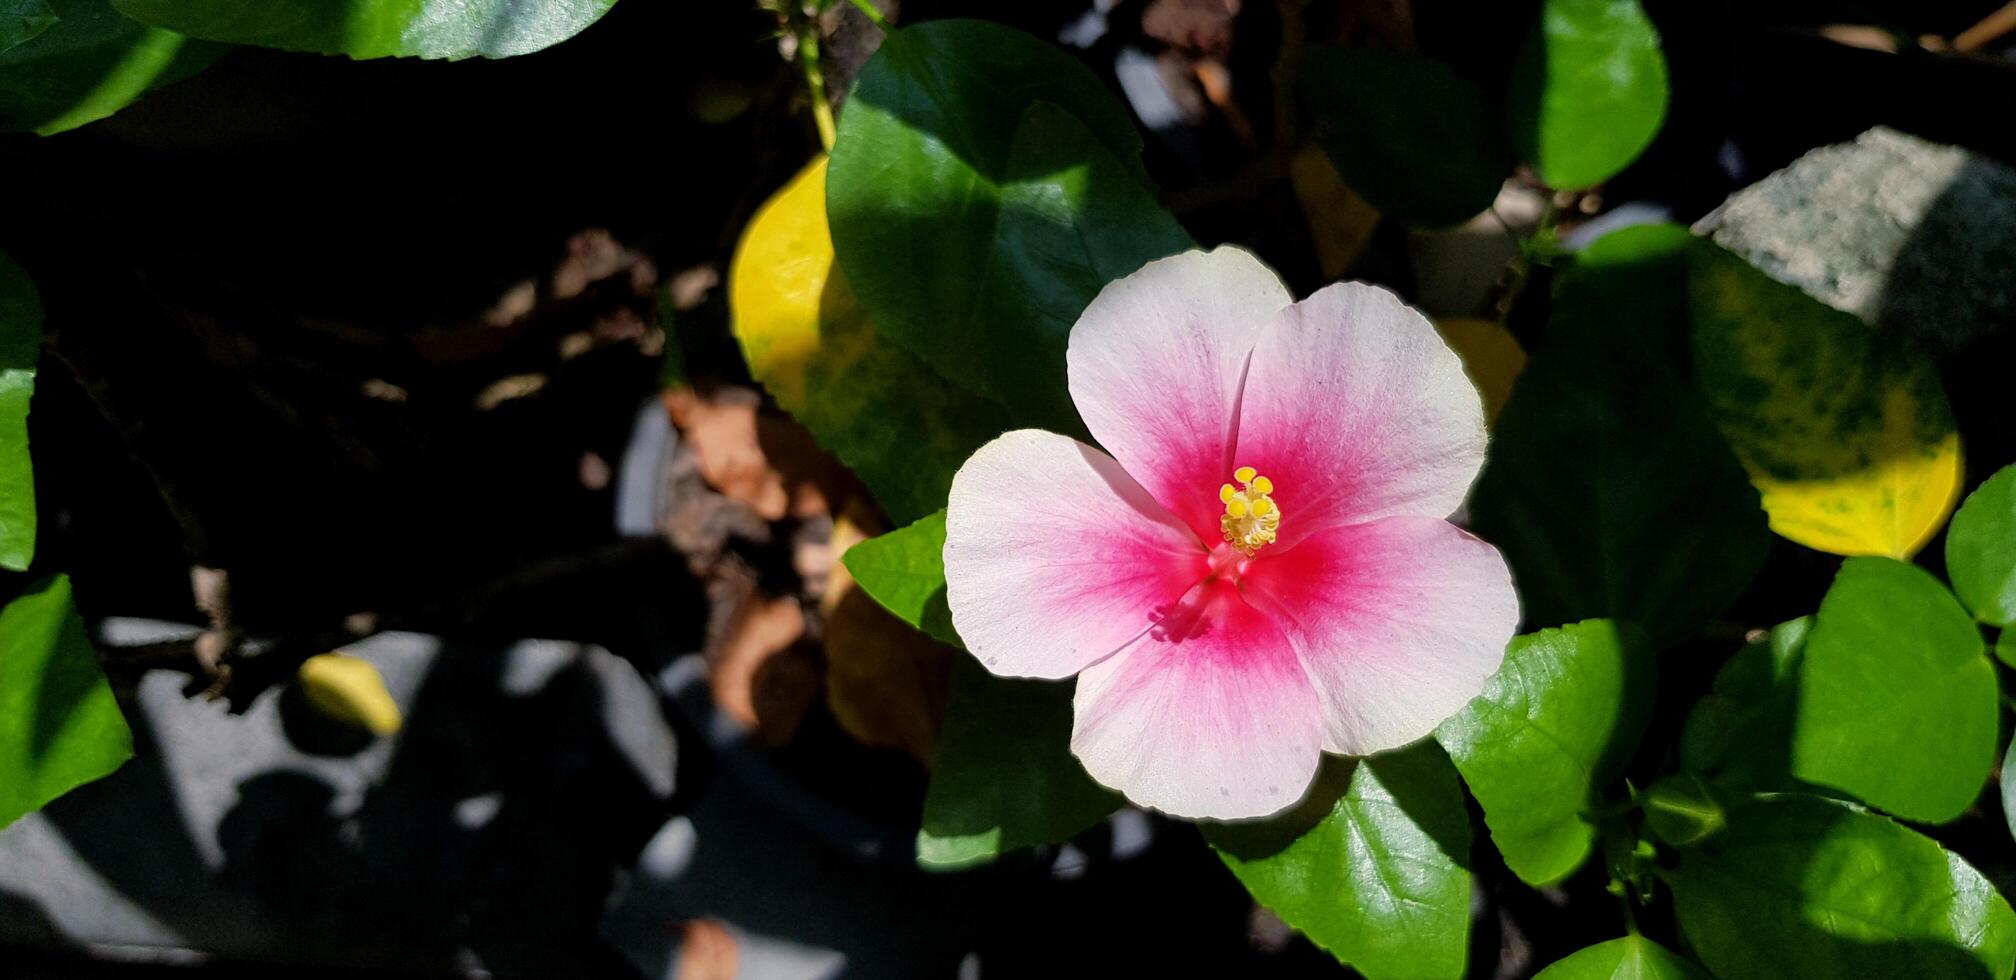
point(815, 85)
point(874, 15)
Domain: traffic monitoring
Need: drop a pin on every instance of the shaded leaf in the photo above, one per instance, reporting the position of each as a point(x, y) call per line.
point(886, 683)
point(377, 28)
point(983, 188)
point(90, 64)
point(1373, 865)
point(1491, 357)
point(1897, 703)
point(879, 408)
point(1422, 143)
point(1740, 733)
point(1588, 92)
point(1005, 778)
point(59, 725)
point(1552, 728)
point(1340, 222)
point(1606, 486)
point(1846, 433)
point(1801, 887)
point(23, 19)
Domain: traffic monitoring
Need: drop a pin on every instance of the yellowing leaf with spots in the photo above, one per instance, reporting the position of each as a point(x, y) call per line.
point(349, 689)
point(1845, 432)
point(1491, 356)
point(896, 423)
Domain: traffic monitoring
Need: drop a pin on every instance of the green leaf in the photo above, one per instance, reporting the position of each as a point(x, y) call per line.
point(1419, 141)
point(2008, 787)
point(1740, 733)
point(884, 412)
point(1802, 887)
point(983, 189)
point(1553, 727)
point(904, 570)
point(90, 64)
point(1981, 549)
point(23, 19)
point(20, 344)
point(1588, 92)
point(1845, 431)
point(59, 725)
point(1606, 487)
point(1632, 957)
point(1004, 777)
point(377, 28)
point(1373, 865)
point(1897, 703)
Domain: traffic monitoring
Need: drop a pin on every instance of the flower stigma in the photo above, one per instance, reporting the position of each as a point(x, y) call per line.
point(1251, 516)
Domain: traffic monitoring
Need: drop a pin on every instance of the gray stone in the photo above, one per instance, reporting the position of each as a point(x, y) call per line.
point(1907, 234)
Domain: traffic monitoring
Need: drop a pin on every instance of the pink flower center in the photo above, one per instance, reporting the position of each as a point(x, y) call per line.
point(1251, 517)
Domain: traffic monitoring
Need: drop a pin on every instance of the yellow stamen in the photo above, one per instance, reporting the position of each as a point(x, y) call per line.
point(1252, 518)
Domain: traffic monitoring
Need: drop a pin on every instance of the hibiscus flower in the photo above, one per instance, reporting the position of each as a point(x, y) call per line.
point(1262, 570)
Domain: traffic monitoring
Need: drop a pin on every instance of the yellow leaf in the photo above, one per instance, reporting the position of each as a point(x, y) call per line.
point(897, 424)
point(1340, 222)
point(1845, 432)
point(350, 690)
point(1491, 356)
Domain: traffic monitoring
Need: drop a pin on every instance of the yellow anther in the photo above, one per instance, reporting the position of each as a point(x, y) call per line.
point(1251, 517)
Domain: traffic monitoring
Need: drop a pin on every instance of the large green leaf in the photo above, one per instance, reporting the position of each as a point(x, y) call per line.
point(23, 19)
point(1801, 887)
point(377, 28)
point(879, 408)
point(984, 187)
point(59, 725)
point(1844, 430)
point(1606, 487)
point(90, 64)
point(1981, 549)
point(1632, 957)
point(20, 343)
point(1588, 92)
point(904, 570)
point(1004, 777)
point(1373, 865)
point(1419, 141)
point(1740, 733)
point(1552, 728)
point(1897, 698)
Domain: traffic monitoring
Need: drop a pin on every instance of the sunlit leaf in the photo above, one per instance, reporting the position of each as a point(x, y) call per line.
point(1373, 865)
point(983, 189)
point(20, 344)
point(1632, 957)
point(1551, 729)
point(904, 570)
point(1802, 888)
point(1897, 698)
point(59, 725)
point(1981, 550)
point(1845, 432)
point(884, 412)
point(377, 28)
point(1588, 92)
point(90, 64)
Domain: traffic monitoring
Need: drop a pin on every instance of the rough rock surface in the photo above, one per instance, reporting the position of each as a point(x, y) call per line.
point(1906, 234)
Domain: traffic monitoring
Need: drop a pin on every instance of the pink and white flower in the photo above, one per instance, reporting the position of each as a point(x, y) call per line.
point(1262, 570)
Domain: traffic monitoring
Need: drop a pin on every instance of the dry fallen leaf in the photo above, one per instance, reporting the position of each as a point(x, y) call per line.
point(761, 460)
point(758, 677)
point(886, 683)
